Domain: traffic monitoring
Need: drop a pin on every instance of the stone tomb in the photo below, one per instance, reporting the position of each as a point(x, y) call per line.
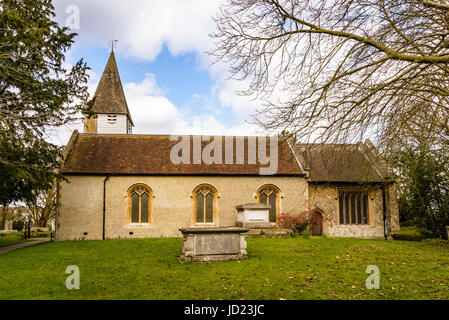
point(213, 244)
point(253, 216)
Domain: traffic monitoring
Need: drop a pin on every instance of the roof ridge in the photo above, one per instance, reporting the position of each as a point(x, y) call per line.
point(171, 135)
point(371, 148)
point(361, 147)
point(327, 144)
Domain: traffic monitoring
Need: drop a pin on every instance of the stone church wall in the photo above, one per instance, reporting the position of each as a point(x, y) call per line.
point(325, 197)
point(172, 205)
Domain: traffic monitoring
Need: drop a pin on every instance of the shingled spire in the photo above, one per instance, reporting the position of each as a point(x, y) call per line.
point(110, 104)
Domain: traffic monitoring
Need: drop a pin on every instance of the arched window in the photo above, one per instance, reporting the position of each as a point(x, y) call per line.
point(140, 205)
point(205, 197)
point(269, 194)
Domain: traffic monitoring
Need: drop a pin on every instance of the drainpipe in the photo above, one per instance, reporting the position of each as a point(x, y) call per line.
point(104, 206)
point(57, 209)
point(384, 205)
point(56, 219)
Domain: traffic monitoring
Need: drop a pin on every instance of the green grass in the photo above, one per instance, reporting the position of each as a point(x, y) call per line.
point(292, 268)
point(10, 239)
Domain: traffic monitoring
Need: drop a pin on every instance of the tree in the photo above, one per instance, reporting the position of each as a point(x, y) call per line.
point(42, 206)
point(38, 90)
point(8, 184)
point(424, 189)
point(27, 170)
point(341, 70)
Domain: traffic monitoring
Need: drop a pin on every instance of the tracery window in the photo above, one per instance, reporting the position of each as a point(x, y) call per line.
point(269, 195)
point(205, 197)
point(140, 196)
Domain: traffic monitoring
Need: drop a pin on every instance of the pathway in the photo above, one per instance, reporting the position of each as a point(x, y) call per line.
point(21, 245)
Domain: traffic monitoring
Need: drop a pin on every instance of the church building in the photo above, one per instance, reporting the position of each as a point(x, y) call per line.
point(123, 185)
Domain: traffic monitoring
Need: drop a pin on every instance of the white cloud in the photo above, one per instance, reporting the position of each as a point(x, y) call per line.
point(154, 113)
point(151, 111)
point(142, 28)
point(147, 87)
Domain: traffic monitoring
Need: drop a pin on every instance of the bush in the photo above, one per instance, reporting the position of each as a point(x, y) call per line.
point(296, 223)
point(18, 225)
point(407, 237)
point(299, 223)
point(424, 198)
point(39, 235)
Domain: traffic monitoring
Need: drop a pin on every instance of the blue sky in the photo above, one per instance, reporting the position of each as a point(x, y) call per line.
point(169, 82)
point(179, 76)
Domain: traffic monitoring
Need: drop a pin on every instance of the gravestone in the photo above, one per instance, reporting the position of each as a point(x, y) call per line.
point(254, 216)
point(213, 244)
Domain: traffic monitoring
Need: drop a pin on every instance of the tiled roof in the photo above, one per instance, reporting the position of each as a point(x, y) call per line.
point(94, 154)
point(342, 163)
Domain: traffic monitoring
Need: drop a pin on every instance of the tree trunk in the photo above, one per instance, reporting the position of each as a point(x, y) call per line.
point(3, 217)
point(41, 222)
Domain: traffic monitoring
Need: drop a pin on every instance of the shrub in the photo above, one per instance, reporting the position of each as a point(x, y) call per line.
point(297, 223)
point(408, 237)
point(18, 224)
point(424, 193)
point(300, 222)
point(39, 235)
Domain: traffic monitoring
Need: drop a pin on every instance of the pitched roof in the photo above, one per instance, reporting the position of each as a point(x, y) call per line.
point(356, 163)
point(94, 154)
point(109, 96)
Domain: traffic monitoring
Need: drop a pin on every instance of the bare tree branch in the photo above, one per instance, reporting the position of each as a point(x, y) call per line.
point(342, 70)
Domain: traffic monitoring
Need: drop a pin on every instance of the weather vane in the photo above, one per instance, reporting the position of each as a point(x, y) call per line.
point(111, 44)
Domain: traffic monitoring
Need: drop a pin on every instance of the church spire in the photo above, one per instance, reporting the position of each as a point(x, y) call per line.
point(110, 100)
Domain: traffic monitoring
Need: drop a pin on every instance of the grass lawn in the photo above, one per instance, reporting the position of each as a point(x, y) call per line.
point(292, 268)
point(408, 233)
point(411, 231)
point(10, 239)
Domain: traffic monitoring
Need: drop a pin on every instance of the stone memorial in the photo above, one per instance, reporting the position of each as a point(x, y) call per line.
point(213, 244)
point(253, 216)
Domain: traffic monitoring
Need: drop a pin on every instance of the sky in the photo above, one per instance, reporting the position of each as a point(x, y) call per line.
point(170, 83)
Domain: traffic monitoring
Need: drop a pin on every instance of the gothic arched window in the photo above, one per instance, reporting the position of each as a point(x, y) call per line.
point(269, 195)
point(205, 198)
point(139, 208)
